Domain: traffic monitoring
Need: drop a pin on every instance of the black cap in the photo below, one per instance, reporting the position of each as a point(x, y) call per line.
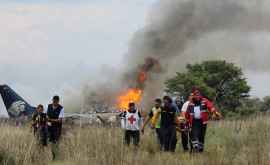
point(56, 98)
point(158, 100)
point(168, 98)
point(131, 104)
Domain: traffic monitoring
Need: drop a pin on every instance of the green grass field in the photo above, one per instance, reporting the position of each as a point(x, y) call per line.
point(228, 142)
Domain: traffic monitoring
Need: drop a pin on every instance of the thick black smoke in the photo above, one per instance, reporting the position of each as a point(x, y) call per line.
point(175, 23)
point(178, 32)
point(177, 28)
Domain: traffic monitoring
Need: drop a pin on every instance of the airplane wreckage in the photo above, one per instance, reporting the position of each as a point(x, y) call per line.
point(18, 109)
point(21, 111)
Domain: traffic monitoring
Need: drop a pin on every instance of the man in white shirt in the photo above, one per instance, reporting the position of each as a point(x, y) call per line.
point(185, 105)
point(184, 126)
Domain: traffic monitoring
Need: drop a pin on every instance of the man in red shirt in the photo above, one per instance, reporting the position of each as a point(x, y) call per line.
point(197, 116)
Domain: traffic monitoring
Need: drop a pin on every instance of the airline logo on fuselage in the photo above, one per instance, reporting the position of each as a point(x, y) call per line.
point(17, 108)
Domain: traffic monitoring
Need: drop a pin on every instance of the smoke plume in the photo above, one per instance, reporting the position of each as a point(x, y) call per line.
point(178, 32)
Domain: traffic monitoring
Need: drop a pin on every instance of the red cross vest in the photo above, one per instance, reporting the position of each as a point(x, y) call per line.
point(132, 121)
point(206, 107)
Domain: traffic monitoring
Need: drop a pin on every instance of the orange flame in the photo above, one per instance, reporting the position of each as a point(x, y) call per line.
point(131, 95)
point(142, 77)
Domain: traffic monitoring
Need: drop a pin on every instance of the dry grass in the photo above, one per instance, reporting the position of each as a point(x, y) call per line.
point(228, 142)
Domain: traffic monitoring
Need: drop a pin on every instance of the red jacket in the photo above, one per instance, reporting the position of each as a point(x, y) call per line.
point(206, 108)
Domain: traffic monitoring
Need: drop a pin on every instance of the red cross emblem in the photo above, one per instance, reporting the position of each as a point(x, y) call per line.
point(131, 119)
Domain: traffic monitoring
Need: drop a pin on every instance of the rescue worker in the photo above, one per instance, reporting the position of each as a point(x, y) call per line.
point(156, 109)
point(131, 121)
point(55, 113)
point(168, 122)
point(197, 116)
point(39, 125)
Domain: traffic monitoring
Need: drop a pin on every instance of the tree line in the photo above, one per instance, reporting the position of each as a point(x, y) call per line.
point(222, 82)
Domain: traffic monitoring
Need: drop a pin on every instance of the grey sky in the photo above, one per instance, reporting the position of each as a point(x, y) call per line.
point(50, 47)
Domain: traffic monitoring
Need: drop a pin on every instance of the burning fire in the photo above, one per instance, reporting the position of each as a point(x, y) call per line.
point(134, 94)
point(131, 95)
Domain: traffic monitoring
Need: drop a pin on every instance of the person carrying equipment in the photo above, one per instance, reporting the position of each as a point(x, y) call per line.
point(197, 116)
point(39, 124)
point(156, 109)
point(131, 121)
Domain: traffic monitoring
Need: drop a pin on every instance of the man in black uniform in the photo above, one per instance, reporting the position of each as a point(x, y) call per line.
point(168, 125)
point(55, 113)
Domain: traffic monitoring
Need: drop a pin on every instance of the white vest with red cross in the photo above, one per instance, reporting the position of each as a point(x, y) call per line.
point(132, 121)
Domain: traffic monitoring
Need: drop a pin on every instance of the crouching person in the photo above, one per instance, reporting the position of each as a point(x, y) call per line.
point(131, 122)
point(40, 125)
